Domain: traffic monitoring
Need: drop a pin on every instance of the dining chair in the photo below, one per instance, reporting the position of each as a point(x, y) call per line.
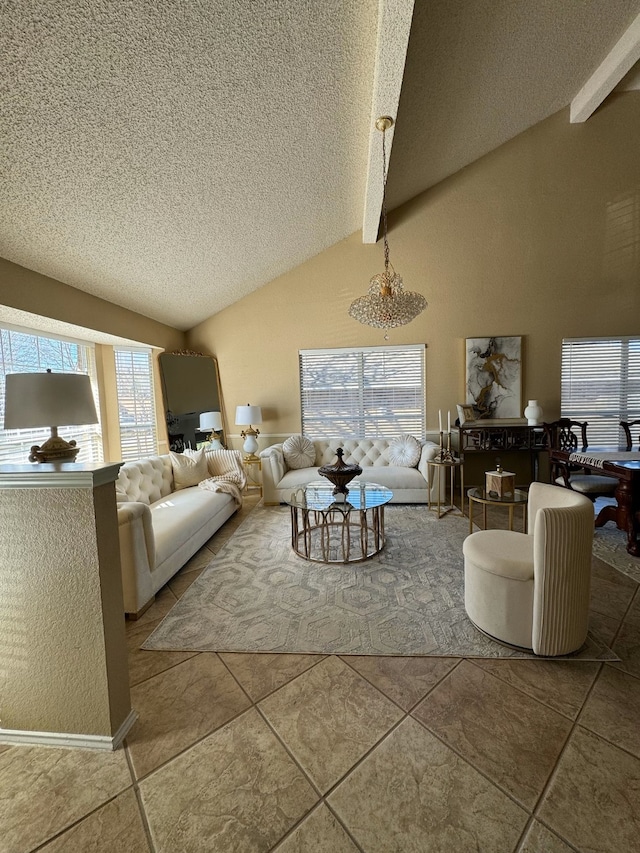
point(571, 436)
point(626, 426)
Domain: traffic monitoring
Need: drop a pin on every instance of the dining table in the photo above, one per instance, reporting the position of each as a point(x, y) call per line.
point(624, 465)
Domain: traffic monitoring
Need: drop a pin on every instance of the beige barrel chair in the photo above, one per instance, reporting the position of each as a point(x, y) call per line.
point(531, 590)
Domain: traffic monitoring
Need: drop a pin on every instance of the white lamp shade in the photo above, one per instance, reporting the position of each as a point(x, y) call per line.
point(247, 415)
point(211, 420)
point(48, 399)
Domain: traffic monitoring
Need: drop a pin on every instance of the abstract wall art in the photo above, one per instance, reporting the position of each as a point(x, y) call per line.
point(494, 376)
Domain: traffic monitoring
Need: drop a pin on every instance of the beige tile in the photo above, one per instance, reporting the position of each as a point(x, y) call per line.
point(613, 709)
point(318, 833)
point(412, 794)
point(539, 839)
point(181, 582)
point(633, 614)
point(562, 685)
point(236, 790)
point(264, 673)
point(604, 626)
point(594, 798)
point(329, 717)
point(406, 680)
point(143, 664)
point(115, 828)
point(165, 600)
point(43, 790)
point(180, 706)
point(611, 591)
point(475, 712)
point(627, 646)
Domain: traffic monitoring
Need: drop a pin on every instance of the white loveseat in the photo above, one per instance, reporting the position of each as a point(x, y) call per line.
point(161, 528)
point(409, 484)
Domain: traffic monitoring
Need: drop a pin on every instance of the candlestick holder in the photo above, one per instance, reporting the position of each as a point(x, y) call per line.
point(445, 454)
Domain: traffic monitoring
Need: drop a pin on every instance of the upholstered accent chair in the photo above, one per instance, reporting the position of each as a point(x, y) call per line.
point(568, 435)
point(626, 428)
point(531, 590)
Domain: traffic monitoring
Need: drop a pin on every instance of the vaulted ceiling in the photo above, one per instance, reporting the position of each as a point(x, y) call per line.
point(172, 157)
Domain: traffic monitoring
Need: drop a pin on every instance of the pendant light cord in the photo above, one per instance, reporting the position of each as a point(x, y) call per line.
point(384, 203)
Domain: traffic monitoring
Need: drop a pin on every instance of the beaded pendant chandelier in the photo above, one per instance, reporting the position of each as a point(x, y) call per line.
point(387, 304)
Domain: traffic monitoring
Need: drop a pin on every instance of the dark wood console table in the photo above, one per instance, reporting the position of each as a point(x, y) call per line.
point(502, 436)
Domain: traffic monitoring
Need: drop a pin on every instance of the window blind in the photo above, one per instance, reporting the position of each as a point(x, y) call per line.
point(136, 404)
point(25, 351)
point(601, 385)
point(372, 392)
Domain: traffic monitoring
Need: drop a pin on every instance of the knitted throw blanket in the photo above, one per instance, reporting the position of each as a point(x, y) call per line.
point(227, 474)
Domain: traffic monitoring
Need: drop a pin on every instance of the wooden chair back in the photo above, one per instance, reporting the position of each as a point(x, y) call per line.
point(565, 434)
point(626, 426)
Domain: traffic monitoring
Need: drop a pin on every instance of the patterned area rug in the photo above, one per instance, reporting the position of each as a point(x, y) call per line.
point(258, 596)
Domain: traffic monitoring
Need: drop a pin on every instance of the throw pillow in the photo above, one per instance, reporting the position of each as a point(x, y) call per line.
point(299, 452)
point(189, 468)
point(405, 451)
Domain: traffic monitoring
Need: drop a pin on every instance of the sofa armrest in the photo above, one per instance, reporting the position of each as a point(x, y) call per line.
point(273, 470)
point(429, 451)
point(137, 554)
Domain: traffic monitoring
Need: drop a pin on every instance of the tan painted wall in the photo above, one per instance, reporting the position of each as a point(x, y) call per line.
point(38, 294)
point(30, 291)
point(540, 238)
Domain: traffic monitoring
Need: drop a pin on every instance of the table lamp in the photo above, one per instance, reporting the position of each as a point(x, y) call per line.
point(245, 416)
point(42, 399)
point(212, 421)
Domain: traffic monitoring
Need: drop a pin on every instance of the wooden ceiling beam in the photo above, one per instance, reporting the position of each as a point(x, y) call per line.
point(394, 26)
point(618, 62)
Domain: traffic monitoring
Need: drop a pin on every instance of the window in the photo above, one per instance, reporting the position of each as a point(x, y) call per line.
point(372, 392)
point(601, 384)
point(23, 351)
point(136, 405)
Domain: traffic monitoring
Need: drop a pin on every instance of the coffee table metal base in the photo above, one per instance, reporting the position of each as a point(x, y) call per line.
point(337, 534)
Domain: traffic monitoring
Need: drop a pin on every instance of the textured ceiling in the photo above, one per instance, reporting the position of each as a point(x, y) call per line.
point(478, 72)
point(171, 157)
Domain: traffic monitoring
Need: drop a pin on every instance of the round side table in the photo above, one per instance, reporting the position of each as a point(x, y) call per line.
point(481, 496)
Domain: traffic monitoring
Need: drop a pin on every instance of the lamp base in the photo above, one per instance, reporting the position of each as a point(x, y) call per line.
point(250, 444)
point(55, 449)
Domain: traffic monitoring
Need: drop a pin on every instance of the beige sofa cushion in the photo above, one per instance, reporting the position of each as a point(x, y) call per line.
point(189, 468)
point(404, 451)
point(299, 452)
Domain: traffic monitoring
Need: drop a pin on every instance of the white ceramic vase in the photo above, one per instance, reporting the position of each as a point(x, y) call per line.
point(533, 413)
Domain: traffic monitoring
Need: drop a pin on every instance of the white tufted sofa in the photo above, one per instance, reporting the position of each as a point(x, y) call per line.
point(160, 529)
point(409, 485)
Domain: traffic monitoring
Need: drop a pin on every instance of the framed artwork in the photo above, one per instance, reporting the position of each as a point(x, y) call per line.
point(466, 413)
point(494, 376)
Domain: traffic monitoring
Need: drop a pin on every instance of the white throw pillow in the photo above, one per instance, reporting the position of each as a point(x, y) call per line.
point(405, 451)
point(189, 468)
point(299, 452)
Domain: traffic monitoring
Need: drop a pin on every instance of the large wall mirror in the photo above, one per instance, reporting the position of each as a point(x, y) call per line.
point(190, 386)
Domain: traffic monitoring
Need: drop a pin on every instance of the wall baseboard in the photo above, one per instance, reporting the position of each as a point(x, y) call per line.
point(15, 737)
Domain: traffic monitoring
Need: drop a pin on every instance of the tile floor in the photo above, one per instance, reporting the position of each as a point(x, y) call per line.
point(314, 754)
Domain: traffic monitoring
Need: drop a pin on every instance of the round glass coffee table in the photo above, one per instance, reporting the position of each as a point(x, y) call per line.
point(482, 496)
point(327, 529)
